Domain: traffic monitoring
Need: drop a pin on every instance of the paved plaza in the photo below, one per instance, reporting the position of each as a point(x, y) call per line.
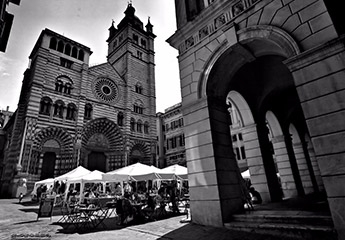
point(21, 218)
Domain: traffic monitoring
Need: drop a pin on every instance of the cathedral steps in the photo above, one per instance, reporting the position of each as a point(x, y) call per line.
point(295, 224)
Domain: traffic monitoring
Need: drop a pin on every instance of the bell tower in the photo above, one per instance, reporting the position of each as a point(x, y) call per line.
point(131, 54)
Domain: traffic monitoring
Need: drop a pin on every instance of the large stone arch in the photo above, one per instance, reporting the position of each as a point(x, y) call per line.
point(251, 42)
point(60, 135)
point(209, 144)
point(102, 140)
point(43, 142)
point(106, 127)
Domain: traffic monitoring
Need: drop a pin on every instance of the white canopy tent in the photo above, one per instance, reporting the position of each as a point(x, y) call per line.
point(177, 170)
point(92, 177)
point(77, 172)
point(49, 182)
point(135, 172)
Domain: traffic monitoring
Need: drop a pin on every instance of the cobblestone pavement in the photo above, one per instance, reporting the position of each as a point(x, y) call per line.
point(21, 218)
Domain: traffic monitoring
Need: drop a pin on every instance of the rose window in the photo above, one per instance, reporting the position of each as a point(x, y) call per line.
point(105, 90)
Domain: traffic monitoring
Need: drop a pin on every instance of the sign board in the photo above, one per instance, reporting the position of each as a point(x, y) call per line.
point(46, 207)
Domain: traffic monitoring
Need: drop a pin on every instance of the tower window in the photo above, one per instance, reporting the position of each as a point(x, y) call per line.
point(66, 63)
point(45, 105)
point(138, 109)
point(138, 89)
point(146, 127)
point(53, 43)
point(59, 108)
point(68, 49)
point(81, 55)
point(74, 52)
point(135, 38)
point(139, 55)
point(139, 126)
point(88, 111)
point(120, 119)
point(143, 43)
point(60, 46)
point(115, 43)
point(132, 124)
point(71, 112)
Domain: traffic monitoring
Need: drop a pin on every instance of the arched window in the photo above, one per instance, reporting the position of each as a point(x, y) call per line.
point(53, 43)
point(67, 88)
point(58, 85)
point(81, 55)
point(60, 46)
point(138, 88)
point(146, 127)
point(68, 49)
point(63, 84)
point(120, 119)
point(74, 52)
point(132, 124)
point(59, 108)
point(71, 112)
point(45, 105)
point(88, 111)
point(138, 107)
point(139, 126)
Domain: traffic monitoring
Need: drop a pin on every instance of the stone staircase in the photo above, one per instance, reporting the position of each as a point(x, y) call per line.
point(306, 225)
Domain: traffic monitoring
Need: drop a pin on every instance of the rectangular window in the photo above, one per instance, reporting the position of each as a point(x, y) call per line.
point(238, 154)
point(234, 138)
point(243, 153)
point(143, 43)
point(139, 55)
point(66, 63)
point(135, 38)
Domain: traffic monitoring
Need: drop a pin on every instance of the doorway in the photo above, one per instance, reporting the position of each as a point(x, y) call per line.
point(97, 161)
point(48, 165)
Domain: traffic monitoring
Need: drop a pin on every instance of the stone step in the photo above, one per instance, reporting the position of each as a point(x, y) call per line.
point(294, 224)
point(295, 231)
point(285, 217)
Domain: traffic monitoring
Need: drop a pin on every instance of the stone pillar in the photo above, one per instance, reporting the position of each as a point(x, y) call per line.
point(284, 167)
point(319, 78)
point(254, 161)
point(303, 168)
point(315, 166)
point(213, 173)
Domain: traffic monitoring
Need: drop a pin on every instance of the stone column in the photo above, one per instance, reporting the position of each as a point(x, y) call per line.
point(315, 166)
point(213, 173)
point(319, 78)
point(284, 167)
point(303, 168)
point(254, 161)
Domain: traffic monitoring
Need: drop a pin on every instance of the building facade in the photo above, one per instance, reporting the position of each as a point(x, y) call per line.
point(6, 20)
point(280, 64)
point(101, 117)
point(171, 143)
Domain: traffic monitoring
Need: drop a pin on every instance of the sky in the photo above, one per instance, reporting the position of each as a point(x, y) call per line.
point(87, 22)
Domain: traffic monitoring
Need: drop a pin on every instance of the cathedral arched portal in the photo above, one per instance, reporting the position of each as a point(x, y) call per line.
point(102, 145)
point(253, 70)
point(139, 152)
point(52, 153)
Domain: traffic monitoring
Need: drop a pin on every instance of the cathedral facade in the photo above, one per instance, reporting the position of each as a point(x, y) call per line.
point(70, 114)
